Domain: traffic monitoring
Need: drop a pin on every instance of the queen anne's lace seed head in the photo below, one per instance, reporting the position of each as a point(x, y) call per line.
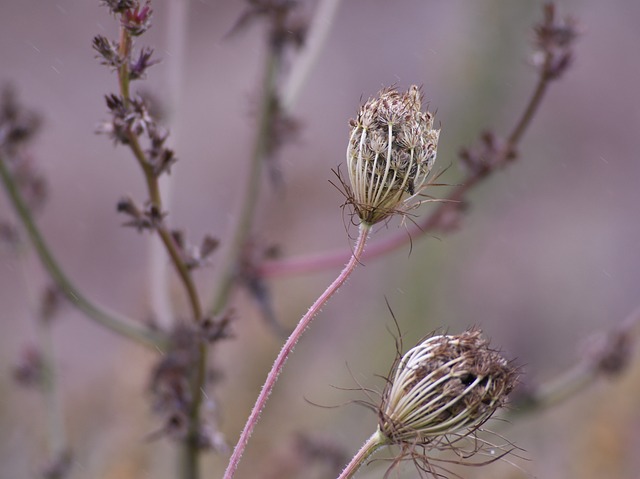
point(392, 148)
point(447, 385)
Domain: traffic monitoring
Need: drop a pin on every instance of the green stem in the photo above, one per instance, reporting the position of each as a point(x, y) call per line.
point(124, 50)
point(191, 444)
point(252, 188)
point(375, 442)
point(108, 319)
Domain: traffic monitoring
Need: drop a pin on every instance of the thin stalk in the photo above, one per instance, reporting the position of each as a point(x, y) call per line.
point(110, 320)
point(293, 339)
point(252, 188)
point(183, 271)
point(124, 50)
point(375, 442)
point(191, 447)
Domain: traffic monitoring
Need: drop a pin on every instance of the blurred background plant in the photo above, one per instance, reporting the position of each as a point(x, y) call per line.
point(544, 256)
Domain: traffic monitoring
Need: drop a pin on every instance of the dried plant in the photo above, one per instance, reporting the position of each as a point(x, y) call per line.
point(392, 148)
point(438, 395)
point(436, 399)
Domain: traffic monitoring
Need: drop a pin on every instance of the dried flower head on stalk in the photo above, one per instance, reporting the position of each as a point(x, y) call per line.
point(441, 392)
point(437, 397)
point(444, 385)
point(392, 148)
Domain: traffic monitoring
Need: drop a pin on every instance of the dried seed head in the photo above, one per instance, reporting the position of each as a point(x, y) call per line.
point(392, 147)
point(445, 385)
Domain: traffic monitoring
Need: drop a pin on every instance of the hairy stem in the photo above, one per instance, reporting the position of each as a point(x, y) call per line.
point(295, 336)
point(111, 321)
point(375, 442)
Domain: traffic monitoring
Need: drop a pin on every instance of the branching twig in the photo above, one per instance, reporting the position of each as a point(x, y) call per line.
point(135, 20)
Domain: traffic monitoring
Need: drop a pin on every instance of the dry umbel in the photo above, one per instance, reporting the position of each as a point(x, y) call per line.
point(392, 148)
point(444, 385)
point(437, 397)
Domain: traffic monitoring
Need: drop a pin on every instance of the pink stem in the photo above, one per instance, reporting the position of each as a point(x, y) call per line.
point(288, 347)
point(375, 442)
point(321, 261)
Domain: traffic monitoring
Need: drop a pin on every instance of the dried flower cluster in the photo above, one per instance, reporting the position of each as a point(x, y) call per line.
point(554, 39)
point(445, 385)
point(392, 148)
point(170, 389)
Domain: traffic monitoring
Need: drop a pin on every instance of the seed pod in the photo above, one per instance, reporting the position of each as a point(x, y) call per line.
point(445, 385)
point(392, 148)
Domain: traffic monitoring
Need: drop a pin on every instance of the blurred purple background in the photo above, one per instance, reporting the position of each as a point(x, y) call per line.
point(547, 255)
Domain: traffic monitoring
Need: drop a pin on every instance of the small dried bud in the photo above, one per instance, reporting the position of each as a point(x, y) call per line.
point(137, 20)
point(148, 218)
point(31, 368)
point(107, 51)
point(554, 40)
point(17, 124)
point(446, 385)
point(138, 68)
point(160, 157)
point(118, 6)
point(392, 148)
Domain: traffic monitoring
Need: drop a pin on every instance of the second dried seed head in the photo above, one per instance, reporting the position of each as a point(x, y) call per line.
point(447, 385)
